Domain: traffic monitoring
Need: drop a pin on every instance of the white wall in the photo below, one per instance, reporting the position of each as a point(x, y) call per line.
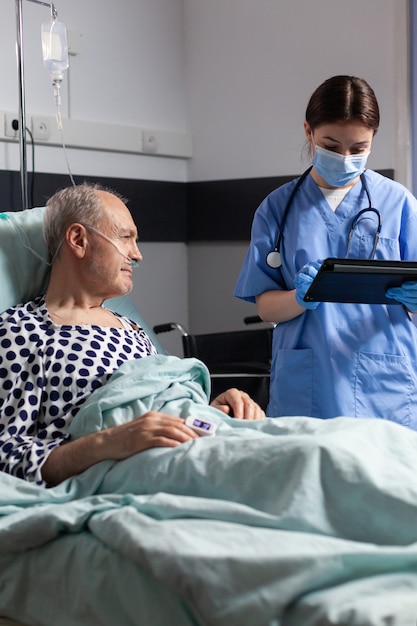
point(251, 66)
point(237, 74)
point(161, 289)
point(130, 71)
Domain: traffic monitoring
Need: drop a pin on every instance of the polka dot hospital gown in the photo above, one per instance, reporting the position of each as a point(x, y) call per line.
point(46, 373)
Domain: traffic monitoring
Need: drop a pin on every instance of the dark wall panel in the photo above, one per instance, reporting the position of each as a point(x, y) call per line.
point(220, 210)
point(159, 208)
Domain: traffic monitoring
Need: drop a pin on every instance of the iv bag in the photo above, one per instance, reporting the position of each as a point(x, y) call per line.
point(55, 48)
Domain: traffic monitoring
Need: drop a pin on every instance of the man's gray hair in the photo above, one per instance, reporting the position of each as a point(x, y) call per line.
point(80, 203)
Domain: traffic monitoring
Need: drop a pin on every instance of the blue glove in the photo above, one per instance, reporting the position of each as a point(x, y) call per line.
point(406, 294)
point(302, 282)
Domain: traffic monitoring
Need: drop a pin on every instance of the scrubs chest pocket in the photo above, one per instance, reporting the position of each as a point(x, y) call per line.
point(295, 367)
point(383, 381)
point(386, 248)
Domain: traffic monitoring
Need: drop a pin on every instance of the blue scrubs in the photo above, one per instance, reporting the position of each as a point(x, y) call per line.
point(355, 360)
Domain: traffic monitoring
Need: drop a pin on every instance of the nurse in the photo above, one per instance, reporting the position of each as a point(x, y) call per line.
point(332, 359)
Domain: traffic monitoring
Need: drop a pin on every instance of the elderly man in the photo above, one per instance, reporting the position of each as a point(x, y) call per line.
point(59, 348)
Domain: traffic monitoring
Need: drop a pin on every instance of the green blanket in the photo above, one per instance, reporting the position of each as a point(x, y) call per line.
point(292, 521)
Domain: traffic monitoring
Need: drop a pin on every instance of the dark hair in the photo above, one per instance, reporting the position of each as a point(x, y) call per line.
point(343, 99)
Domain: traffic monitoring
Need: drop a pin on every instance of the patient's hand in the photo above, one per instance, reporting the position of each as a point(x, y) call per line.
point(238, 404)
point(151, 430)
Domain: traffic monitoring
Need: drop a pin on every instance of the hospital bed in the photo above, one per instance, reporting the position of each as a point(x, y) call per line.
point(285, 522)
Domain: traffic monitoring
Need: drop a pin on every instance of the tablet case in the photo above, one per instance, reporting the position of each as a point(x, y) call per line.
point(359, 280)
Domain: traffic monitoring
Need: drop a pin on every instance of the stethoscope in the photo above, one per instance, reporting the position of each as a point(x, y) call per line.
point(273, 258)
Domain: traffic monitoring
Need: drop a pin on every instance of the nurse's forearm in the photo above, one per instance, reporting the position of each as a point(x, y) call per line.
point(278, 306)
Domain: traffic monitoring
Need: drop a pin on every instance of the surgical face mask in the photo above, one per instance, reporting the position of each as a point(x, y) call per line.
point(336, 169)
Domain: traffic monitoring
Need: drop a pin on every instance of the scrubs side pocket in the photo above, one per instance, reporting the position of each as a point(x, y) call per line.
point(383, 387)
point(292, 383)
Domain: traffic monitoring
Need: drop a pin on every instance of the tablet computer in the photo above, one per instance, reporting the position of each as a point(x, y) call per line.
point(359, 281)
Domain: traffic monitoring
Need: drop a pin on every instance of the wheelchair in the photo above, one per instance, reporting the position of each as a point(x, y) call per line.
point(240, 358)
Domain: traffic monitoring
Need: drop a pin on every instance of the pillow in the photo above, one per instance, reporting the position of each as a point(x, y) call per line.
point(24, 269)
point(24, 273)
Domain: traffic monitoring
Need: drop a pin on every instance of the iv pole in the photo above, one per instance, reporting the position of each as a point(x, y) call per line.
point(22, 104)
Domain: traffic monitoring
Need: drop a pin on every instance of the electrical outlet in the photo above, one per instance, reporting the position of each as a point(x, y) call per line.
point(41, 128)
point(11, 125)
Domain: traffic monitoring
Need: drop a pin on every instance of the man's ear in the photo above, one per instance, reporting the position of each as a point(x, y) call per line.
point(76, 237)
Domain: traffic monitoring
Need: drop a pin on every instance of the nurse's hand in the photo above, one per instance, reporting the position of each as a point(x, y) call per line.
point(302, 282)
point(406, 294)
